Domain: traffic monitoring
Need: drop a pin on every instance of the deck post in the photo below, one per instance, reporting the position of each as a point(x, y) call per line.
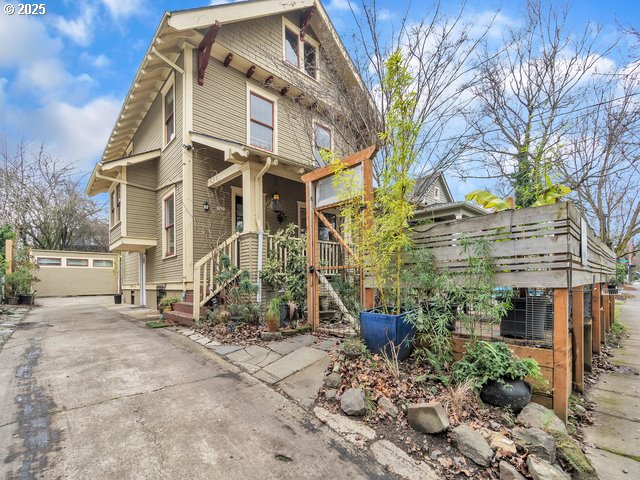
point(607, 314)
point(597, 318)
point(577, 315)
point(561, 360)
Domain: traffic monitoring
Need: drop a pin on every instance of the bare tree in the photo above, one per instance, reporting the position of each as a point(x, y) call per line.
point(604, 156)
point(529, 96)
point(42, 198)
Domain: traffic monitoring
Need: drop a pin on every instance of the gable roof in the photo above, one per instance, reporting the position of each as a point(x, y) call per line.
point(183, 26)
point(424, 184)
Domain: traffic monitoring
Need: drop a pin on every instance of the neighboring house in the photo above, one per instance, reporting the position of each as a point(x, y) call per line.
point(435, 202)
point(231, 105)
point(63, 273)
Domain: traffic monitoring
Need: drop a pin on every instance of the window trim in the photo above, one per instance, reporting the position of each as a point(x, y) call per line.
point(319, 124)
point(252, 90)
point(165, 197)
point(115, 204)
point(66, 262)
point(288, 24)
point(94, 260)
point(169, 84)
point(59, 259)
point(436, 192)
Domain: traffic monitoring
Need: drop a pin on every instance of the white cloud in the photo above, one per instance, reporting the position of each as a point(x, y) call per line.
point(342, 5)
point(23, 39)
point(125, 8)
point(73, 133)
point(98, 61)
point(79, 30)
point(218, 2)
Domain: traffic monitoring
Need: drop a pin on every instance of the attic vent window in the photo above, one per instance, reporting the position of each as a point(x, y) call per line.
point(436, 193)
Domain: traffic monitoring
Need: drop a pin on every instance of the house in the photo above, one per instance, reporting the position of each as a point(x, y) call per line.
point(230, 106)
point(435, 202)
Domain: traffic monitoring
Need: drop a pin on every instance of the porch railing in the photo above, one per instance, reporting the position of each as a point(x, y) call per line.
point(330, 254)
point(205, 285)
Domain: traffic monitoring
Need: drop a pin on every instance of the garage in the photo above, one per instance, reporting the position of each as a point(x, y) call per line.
point(66, 273)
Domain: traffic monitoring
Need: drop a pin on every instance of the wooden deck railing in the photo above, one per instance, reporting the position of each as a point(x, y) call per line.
point(330, 254)
point(549, 247)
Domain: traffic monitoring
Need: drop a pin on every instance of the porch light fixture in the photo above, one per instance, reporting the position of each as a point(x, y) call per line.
point(275, 202)
point(205, 206)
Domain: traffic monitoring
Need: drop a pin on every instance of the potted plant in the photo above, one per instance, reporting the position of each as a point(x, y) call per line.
point(383, 230)
point(11, 286)
point(167, 303)
point(272, 316)
point(498, 373)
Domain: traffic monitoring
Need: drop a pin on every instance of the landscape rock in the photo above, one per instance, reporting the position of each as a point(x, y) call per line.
point(400, 463)
point(352, 402)
point(535, 415)
point(270, 336)
point(388, 407)
point(540, 469)
point(333, 380)
point(330, 394)
point(536, 442)
point(501, 443)
point(509, 472)
point(427, 417)
point(472, 445)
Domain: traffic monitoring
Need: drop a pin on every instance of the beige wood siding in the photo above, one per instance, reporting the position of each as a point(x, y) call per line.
point(129, 267)
point(290, 194)
point(149, 134)
point(115, 233)
point(430, 195)
point(64, 280)
point(141, 202)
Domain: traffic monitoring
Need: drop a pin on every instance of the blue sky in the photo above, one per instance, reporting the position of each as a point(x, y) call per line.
point(63, 75)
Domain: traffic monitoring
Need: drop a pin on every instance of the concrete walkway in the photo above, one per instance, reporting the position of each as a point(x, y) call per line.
point(87, 392)
point(296, 365)
point(616, 429)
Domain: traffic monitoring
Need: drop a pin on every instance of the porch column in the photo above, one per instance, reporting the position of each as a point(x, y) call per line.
point(252, 198)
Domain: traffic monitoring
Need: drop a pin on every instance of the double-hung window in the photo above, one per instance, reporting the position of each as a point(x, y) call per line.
point(261, 122)
point(300, 52)
point(291, 47)
point(321, 141)
point(169, 225)
point(169, 111)
point(115, 205)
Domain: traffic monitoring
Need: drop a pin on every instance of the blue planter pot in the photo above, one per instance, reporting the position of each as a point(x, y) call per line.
point(378, 329)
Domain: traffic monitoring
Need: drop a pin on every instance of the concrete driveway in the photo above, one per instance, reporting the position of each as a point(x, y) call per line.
point(86, 392)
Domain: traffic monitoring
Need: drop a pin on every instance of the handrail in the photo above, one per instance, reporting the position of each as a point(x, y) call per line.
point(203, 274)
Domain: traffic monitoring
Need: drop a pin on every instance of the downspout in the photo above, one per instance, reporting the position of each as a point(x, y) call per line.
point(260, 227)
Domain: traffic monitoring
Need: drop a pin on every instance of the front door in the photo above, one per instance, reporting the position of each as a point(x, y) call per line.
point(237, 214)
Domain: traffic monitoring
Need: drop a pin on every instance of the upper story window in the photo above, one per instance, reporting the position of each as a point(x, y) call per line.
point(115, 205)
point(291, 47)
point(321, 141)
point(262, 120)
point(169, 226)
point(169, 111)
point(302, 54)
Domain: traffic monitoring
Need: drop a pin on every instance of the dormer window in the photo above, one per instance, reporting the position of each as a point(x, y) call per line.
point(300, 53)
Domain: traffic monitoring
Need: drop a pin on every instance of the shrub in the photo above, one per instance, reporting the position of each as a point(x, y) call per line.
point(168, 302)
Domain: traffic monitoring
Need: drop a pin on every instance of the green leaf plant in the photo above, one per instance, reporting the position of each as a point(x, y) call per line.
point(383, 234)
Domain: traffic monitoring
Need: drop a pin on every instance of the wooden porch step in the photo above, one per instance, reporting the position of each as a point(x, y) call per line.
point(184, 307)
point(181, 318)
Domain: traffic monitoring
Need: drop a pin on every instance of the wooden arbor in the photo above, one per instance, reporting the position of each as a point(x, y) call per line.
point(321, 196)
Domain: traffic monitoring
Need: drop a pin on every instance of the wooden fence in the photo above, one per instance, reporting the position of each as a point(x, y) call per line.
point(544, 247)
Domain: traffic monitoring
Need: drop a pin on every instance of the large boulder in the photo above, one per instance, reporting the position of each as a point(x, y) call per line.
point(509, 472)
point(535, 415)
point(472, 445)
point(537, 442)
point(540, 469)
point(427, 417)
point(352, 402)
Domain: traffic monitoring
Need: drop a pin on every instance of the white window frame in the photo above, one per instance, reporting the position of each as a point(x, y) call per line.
point(436, 193)
point(115, 211)
point(251, 89)
point(66, 262)
point(45, 265)
point(287, 24)
point(168, 85)
point(168, 194)
point(302, 205)
point(317, 123)
point(93, 263)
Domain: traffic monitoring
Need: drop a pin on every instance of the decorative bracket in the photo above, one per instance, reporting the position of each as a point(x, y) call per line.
point(204, 50)
point(305, 20)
